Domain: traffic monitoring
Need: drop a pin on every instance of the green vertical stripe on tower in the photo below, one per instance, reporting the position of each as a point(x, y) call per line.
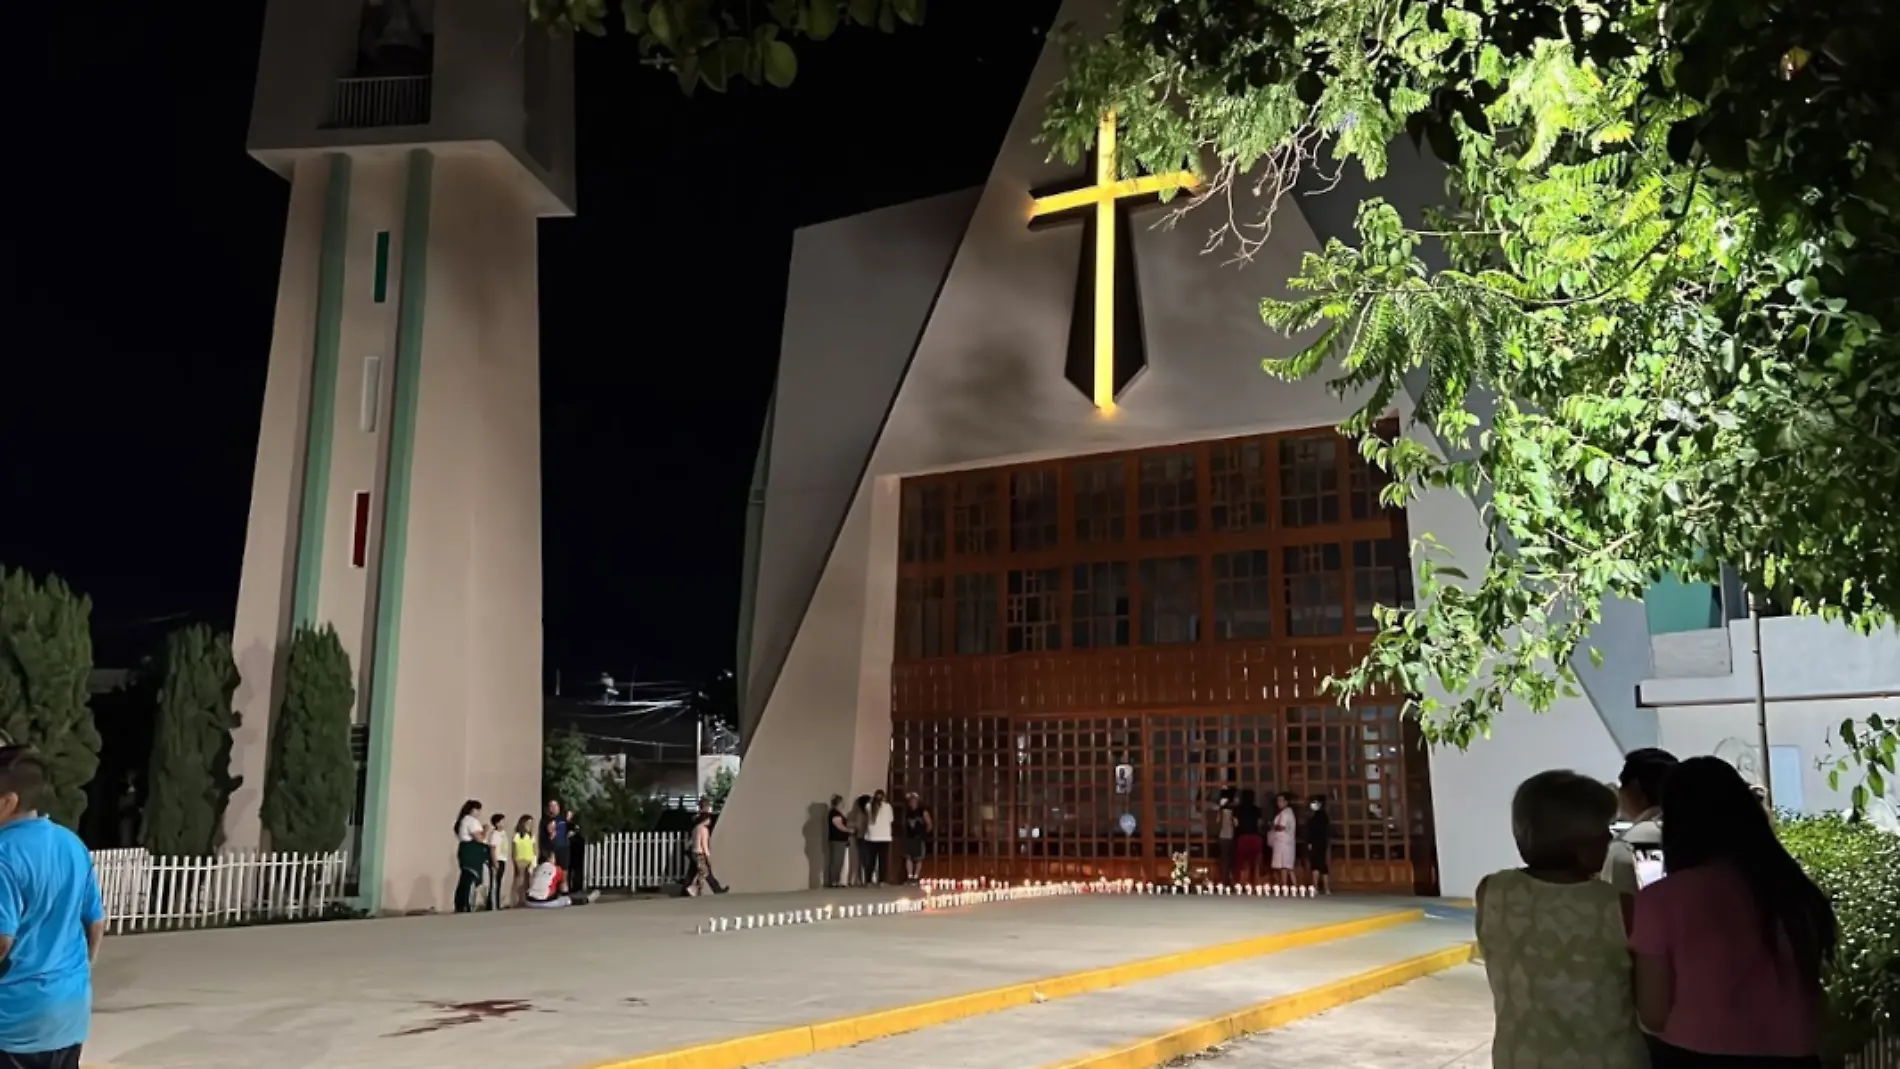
point(412, 290)
point(321, 427)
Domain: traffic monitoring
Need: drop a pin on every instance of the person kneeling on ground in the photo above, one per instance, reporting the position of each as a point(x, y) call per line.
point(544, 887)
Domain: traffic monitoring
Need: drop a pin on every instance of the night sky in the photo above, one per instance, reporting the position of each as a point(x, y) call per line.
point(138, 267)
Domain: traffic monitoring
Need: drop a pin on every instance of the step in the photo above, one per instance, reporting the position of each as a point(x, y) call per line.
point(1069, 1031)
point(1442, 1021)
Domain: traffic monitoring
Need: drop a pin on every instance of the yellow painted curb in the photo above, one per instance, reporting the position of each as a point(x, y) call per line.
point(800, 1040)
point(1212, 1032)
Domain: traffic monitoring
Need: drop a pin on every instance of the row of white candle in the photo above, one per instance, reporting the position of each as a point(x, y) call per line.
point(936, 897)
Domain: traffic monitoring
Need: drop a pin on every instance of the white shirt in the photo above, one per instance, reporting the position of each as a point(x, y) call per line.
point(471, 830)
point(880, 829)
point(1634, 858)
point(541, 885)
point(498, 843)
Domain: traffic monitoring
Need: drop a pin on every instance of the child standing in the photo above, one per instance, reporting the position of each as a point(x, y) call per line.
point(497, 860)
point(524, 857)
point(1553, 936)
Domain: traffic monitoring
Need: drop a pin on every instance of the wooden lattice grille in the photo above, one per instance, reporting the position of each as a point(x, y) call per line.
point(1089, 651)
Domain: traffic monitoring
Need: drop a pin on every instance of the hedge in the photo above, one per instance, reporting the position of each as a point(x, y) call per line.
point(1858, 865)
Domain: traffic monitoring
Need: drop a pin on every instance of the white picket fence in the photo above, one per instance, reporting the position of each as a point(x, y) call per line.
point(145, 893)
point(635, 861)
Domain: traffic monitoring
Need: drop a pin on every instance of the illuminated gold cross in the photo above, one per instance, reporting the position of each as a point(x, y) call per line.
point(1103, 325)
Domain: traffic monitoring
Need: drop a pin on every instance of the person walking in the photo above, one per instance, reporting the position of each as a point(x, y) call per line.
point(877, 837)
point(702, 879)
point(837, 843)
point(51, 923)
point(471, 854)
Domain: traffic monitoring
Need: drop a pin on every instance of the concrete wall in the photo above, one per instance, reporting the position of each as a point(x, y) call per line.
point(986, 386)
point(1803, 738)
point(1815, 675)
point(270, 538)
point(453, 563)
point(467, 694)
point(485, 87)
point(855, 308)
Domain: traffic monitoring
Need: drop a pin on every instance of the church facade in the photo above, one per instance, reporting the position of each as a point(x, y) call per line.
point(1034, 536)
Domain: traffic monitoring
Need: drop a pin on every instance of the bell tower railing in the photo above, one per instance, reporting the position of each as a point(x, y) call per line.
point(366, 103)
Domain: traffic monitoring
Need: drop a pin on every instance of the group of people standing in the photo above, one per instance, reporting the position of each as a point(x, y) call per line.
point(1691, 938)
point(547, 856)
point(1249, 836)
point(864, 834)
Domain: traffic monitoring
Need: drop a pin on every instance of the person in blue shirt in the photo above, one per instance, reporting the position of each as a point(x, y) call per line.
point(51, 922)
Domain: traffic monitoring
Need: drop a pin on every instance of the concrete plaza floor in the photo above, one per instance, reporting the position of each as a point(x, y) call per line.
point(559, 990)
point(1439, 1022)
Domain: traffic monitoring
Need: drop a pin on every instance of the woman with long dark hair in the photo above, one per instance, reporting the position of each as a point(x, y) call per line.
point(471, 854)
point(1732, 942)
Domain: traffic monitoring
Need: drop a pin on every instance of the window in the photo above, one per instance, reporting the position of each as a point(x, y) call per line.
point(976, 614)
point(1169, 506)
point(1315, 591)
point(1381, 575)
point(1243, 595)
point(370, 405)
point(1101, 501)
point(1034, 511)
point(1098, 606)
point(1170, 600)
point(359, 531)
point(920, 604)
point(1034, 611)
point(1237, 474)
point(921, 524)
point(381, 285)
point(1309, 481)
point(1368, 481)
point(976, 517)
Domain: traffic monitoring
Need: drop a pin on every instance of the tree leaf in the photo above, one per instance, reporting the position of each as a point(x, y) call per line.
point(821, 19)
point(781, 64)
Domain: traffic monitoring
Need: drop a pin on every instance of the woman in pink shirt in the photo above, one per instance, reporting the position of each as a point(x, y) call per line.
point(1731, 943)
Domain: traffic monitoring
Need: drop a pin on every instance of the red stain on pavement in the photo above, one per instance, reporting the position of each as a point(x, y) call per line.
point(454, 1014)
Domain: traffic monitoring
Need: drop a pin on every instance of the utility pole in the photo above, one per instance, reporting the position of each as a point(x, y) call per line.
point(1761, 699)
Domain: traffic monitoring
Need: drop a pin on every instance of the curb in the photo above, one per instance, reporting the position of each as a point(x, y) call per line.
point(800, 1040)
point(1266, 1016)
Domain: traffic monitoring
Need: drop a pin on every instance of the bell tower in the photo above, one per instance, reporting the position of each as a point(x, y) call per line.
point(397, 491)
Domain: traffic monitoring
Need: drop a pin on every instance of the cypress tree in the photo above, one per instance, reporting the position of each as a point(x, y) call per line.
point(311, 781)
point(45, 666)
point(190, 778)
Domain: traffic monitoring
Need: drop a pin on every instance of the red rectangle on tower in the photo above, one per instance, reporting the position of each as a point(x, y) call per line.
point(359, 531)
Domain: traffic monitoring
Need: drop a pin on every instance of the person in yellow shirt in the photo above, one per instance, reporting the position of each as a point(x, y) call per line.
point(524, 857)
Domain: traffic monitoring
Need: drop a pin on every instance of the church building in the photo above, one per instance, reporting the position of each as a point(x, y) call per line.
point(1033, 536)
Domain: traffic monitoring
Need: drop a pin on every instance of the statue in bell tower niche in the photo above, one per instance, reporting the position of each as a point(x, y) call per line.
point(393, 41)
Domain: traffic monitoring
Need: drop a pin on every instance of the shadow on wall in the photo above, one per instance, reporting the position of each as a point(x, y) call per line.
point(425, 895)
point(817, 816)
